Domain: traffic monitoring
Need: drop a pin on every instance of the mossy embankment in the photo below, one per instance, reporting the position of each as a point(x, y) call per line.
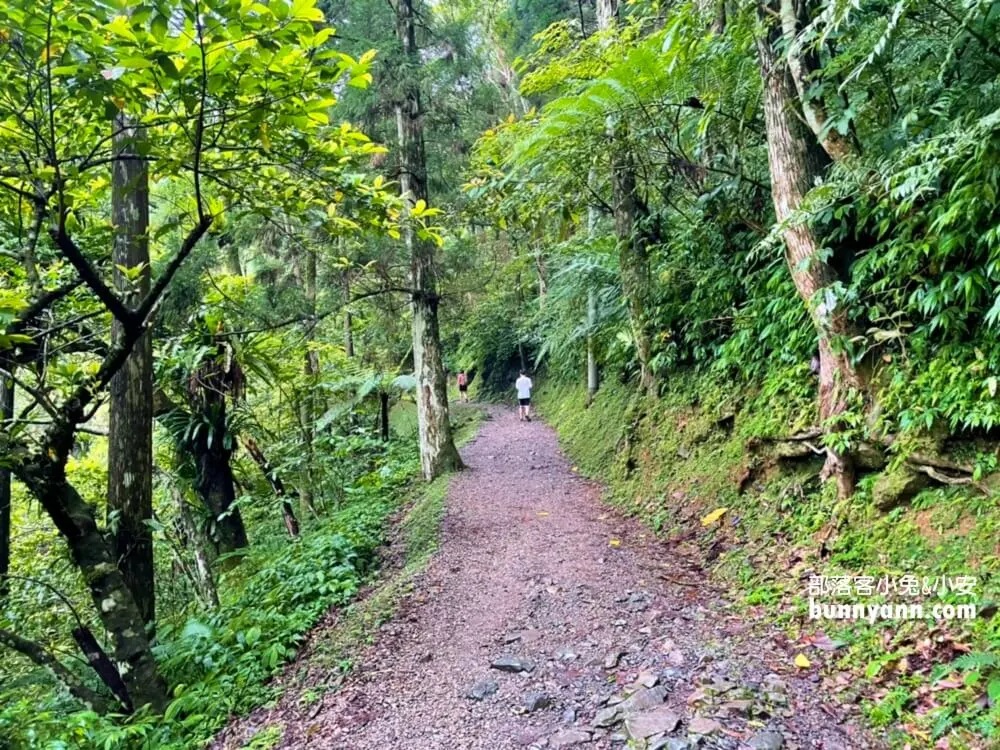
point(675, 461)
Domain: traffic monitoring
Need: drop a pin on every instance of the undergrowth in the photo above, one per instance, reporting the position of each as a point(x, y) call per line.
point(221, 662)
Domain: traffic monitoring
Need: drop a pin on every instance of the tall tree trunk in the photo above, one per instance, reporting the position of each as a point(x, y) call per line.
point(630, 214)
point(6, 414)
point(593, 377)
point(91, 552)
point(308, 405)
point(438, 453)
point(796, 161)
point(130, 437)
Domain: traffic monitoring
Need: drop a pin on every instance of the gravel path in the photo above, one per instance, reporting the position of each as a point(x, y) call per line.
point(535, 572)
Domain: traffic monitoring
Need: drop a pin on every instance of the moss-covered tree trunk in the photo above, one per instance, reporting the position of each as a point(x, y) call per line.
point(438, 453)
point(130, 438)
point(45, 476)
point(796, 161)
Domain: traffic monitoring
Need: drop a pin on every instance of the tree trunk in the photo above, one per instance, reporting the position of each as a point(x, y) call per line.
point(348, 318)
point(214, 477)
point(130, 437)
point(383, 411)
point(630, 213)
point(92, 553)
point(796, 161)
point(277, 486)
point(593, 378)
point(633, 259)
point(6, 414)
point(196, 541)
point(802, 64)
point(438, 453)
point(607, 13)
point(37, 654)
point(308, 405)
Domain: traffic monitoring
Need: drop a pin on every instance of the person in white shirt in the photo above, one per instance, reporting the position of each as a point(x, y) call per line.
point(523, 386)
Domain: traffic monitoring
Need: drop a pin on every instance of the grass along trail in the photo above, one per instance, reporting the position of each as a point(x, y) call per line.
point(545, 620)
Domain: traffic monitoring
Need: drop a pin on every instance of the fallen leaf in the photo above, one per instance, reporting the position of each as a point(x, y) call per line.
point(714, 516)
point(802, 662)
point(615, 543)
point(541, 513)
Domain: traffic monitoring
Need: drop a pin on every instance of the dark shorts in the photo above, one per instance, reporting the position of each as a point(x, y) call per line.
point(463, 388)
point(524, 401)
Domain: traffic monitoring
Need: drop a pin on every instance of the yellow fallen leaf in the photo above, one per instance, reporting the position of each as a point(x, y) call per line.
point(802, 662)
point(714, 516)
point(615, 543)
point(541, 513)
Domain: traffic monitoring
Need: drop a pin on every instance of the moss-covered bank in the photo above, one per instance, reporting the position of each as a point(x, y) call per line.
point(675, 461)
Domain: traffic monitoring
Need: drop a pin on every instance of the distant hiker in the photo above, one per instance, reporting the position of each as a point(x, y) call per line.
point(463, 386)
point(523, 386)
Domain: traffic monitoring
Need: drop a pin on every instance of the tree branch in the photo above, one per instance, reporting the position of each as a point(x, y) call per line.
point(90, 276)
point(40, 656)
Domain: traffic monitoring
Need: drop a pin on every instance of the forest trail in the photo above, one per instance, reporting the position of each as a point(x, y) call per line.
point(533, 570)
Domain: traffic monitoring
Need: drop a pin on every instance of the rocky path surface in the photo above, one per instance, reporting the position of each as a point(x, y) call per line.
point(546, 621)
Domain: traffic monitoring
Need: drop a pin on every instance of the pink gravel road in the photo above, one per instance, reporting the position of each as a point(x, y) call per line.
point(532, 566)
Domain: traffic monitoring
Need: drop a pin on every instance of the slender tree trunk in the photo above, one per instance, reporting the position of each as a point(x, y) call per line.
point(630, 213)
point(543, 280)
point(802, 64)
point(383, 411)
point(308, 405)
point(130, 439)
point(593, 378)
point(45, 659)
point(438, 453)
point(796, 161)
point(348, 318)
point(196, 540)
point(92, 553)
point(6, 414)
point(633, 261)
point(278, 486)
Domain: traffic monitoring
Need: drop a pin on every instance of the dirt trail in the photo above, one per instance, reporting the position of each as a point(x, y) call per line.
point(532, 567)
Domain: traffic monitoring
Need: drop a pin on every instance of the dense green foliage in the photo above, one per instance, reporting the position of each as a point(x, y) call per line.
point(605, 182)
point(219, 660)
point(904, 210)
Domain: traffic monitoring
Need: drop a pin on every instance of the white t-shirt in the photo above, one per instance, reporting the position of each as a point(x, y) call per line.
point(523, 386)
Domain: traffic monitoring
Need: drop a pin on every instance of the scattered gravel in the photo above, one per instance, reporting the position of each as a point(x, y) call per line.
point(581, 609)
